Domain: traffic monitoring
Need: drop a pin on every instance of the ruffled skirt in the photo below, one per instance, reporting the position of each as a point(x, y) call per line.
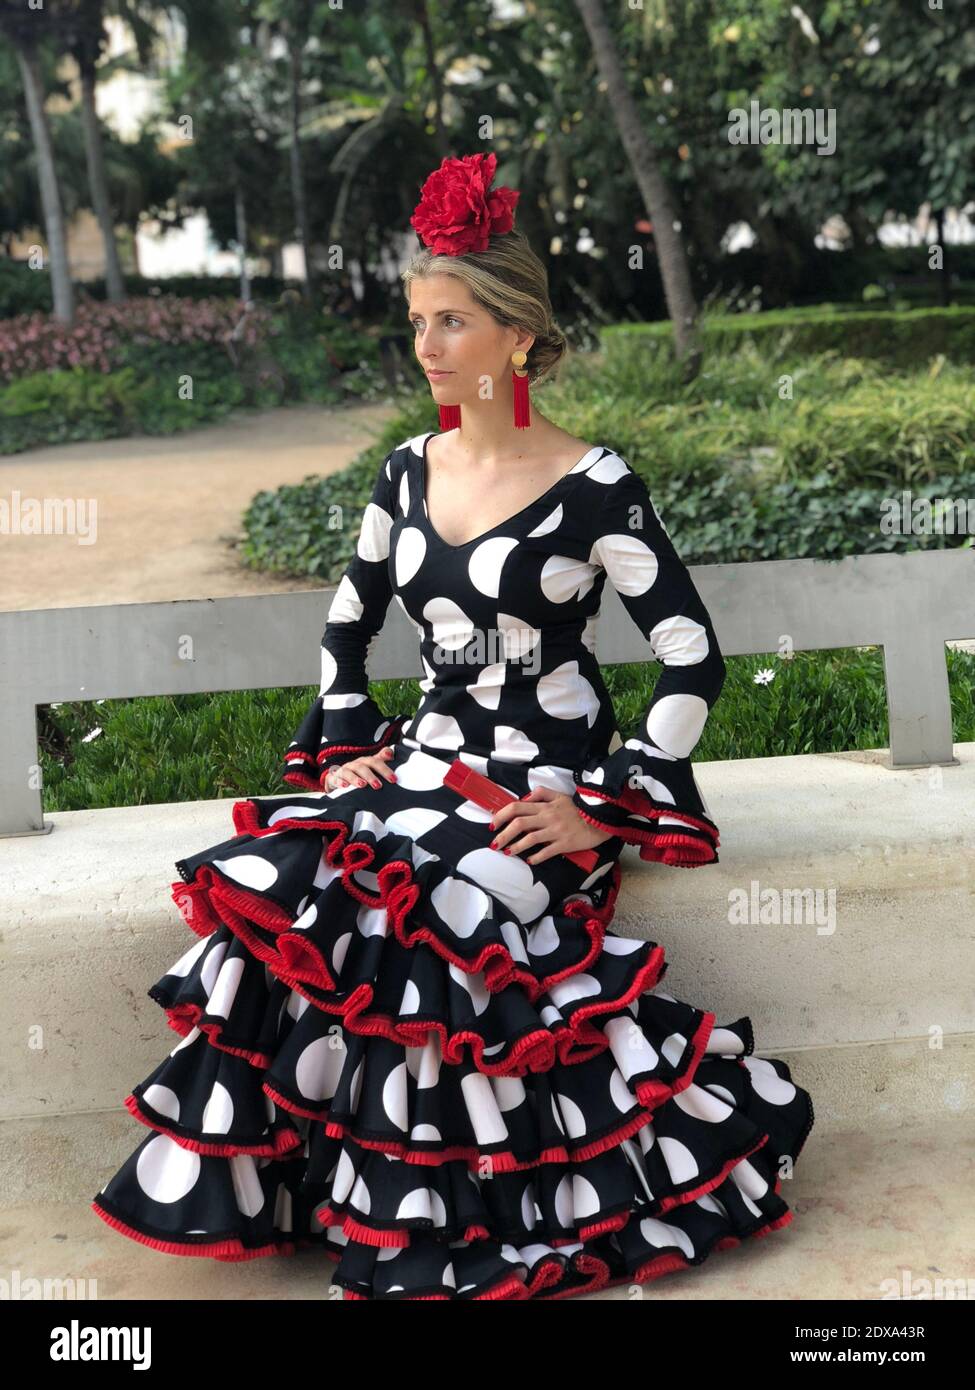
point(436, 1063)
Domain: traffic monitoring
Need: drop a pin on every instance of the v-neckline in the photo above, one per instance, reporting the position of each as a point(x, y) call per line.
point(508, 520)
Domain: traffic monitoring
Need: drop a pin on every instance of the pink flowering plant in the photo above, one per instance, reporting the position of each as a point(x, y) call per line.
point(107, 336)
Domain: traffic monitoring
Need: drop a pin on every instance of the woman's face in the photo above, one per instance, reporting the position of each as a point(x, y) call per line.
point(456, 336)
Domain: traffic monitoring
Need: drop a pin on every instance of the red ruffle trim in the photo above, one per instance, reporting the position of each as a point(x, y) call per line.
point(297, 777)
point(548, 1273)
point(657, 846)
point(285, 1140)
point(651, 1269)
point(649, 1094)
point(510, 1287)
point(398, 893)
point(295, 960)
point(355, 1229)
point(535, 1052)
point(230, 1249)
point(183, 1018)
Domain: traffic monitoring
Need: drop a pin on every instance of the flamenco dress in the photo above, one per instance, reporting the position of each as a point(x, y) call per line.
point(431, 1060)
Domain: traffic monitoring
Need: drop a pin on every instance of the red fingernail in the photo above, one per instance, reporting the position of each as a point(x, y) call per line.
point(507, 850)
point(375, 784)
point(393, 777)
point(494, 844)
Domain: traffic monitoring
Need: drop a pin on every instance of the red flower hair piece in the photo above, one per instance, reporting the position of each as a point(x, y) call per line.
point(458, 211)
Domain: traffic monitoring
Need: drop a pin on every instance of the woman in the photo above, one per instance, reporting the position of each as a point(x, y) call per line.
point(409, 1037)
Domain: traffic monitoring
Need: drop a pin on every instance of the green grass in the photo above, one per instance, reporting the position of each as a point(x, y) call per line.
point(199, 747)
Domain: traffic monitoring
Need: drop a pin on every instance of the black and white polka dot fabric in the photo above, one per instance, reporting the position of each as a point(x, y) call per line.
point(433, 1060)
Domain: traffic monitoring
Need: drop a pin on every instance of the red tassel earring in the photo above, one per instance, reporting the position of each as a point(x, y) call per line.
point(450, 414)
point(519, 380)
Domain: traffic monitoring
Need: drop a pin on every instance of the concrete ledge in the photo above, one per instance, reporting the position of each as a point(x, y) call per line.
point(894, 846)
point(88, 925)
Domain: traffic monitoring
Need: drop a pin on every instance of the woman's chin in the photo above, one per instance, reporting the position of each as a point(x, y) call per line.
point(443, 397)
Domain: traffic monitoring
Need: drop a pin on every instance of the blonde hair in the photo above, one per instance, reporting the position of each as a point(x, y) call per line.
point(511, 283)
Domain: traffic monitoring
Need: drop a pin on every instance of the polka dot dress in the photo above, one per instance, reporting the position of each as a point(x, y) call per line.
point(431, 1060)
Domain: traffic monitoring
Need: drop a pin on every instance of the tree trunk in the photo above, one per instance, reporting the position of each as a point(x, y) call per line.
point(863, 230)
point(782, 238)
point(674, 270)
point(945, 281)
point(422, 15)
point(62, 290)
point(136, 263)
point(298, 195)
point(98, 183)
point(240, 212)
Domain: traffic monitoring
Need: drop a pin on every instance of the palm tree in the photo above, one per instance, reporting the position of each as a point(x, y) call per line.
point(674, 271)
point(21, 28)
point(82, 23)
point(85, 36)
point(294, 19)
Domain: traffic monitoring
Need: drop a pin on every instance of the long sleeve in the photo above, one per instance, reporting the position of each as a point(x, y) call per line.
point(344, 721)
point(645, 790)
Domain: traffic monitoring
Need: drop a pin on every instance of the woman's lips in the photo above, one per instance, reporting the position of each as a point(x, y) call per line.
point(435, 376)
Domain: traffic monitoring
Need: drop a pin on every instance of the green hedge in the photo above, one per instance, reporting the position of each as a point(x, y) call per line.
point(905, 339)
point(763, 413)
point(66, 406)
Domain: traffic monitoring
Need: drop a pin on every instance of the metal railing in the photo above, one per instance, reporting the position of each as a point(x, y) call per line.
point(910, 605)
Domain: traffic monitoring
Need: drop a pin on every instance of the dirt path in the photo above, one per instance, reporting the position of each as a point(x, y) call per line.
point(166, 509)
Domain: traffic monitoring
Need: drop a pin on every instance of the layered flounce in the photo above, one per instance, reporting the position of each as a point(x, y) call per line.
point(334, 735)
point(648, 798)
point(530, 1118)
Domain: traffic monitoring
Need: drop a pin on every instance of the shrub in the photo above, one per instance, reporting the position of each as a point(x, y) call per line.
point(892, 336)
point(108, 336)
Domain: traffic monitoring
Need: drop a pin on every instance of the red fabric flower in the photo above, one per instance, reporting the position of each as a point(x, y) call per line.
point(457, 213)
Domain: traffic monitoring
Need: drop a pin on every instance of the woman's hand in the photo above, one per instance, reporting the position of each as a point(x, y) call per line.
point(544, 817)
point(357, 771)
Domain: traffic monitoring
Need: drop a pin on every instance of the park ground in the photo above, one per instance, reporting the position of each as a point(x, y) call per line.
point(169, 509)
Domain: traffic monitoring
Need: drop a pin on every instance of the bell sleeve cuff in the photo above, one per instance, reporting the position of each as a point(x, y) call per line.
point(335, 735)
point(650, 800)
